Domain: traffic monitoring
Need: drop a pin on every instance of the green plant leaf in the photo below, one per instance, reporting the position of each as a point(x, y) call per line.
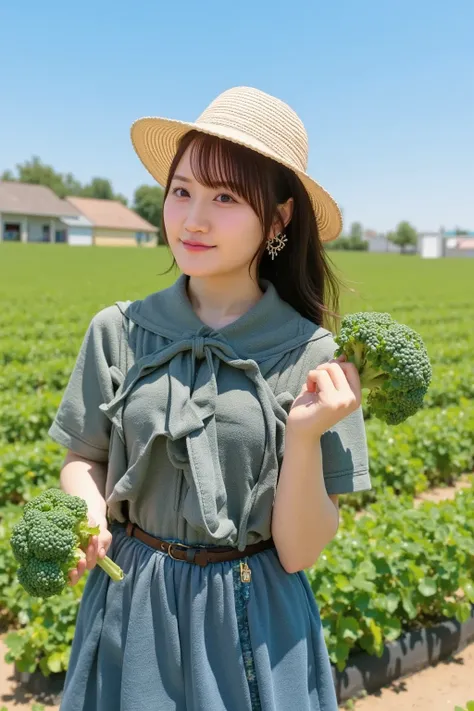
point(392, 629)
point(14, 642)
point(408, 605)
point(427, 587)
point(469, 591)
point(393, 600)
point(348, 628)
point(463, 612)
point(55, 662)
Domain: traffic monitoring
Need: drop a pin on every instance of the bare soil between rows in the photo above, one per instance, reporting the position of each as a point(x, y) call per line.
point(442, 687)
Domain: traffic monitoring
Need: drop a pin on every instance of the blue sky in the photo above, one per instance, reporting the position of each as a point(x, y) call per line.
point(385, 90)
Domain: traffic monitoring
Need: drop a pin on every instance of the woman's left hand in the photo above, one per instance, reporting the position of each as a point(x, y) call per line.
point(332, 392)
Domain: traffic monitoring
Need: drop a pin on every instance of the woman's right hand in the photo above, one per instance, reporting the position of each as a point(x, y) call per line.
point(96, 549)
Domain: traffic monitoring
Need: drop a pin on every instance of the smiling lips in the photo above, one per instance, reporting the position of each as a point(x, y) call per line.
point(196, 246)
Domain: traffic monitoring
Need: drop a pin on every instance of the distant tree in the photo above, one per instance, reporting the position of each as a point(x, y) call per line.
point(148, 202)
point(350, 244)
point(460, 231)
point(356, 231)
point(36, 172)
point(102, 188)
point(354, 241)
point(405, 235)
point(71, 185)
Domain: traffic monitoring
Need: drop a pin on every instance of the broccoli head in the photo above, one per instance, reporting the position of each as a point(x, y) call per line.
point(42, 578)
point(392, 361)
point(48, 542)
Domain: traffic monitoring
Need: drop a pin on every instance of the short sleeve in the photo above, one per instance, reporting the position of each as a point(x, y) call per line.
point(344, 446)
point(79, 424)
point(345, 456)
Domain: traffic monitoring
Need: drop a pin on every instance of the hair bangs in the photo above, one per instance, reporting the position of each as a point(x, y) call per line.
point(222, 164)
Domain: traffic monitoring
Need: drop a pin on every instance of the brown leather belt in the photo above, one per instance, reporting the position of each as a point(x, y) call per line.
point(194, 554)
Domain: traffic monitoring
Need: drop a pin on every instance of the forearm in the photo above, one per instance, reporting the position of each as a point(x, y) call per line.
point(304, 518)
point(82, 477)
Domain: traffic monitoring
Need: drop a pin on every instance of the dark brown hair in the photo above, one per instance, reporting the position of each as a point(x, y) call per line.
point(302, 273)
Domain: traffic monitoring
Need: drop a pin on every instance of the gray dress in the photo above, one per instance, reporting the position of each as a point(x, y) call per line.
point(191, 421)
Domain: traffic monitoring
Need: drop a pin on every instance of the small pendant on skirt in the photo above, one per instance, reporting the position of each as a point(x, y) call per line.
point(245, 572)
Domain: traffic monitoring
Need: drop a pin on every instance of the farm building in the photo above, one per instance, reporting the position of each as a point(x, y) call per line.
point(433, 245)
point(34, 213)
point(379, 242)
point(114, 224)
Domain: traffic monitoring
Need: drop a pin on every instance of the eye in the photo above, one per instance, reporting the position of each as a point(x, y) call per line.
point(226, 195)
point(175, 191)
point(230, 199)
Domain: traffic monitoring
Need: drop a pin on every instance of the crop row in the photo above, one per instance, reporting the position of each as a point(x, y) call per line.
point(449, 385)
point(431, 448)
point(395, 567)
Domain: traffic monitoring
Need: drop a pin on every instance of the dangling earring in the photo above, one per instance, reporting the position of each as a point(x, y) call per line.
point(275, 245)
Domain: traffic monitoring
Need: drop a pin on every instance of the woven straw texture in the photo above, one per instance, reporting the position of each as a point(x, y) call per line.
point(251, 118)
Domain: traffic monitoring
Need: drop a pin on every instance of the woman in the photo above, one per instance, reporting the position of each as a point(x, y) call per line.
point(211, 432)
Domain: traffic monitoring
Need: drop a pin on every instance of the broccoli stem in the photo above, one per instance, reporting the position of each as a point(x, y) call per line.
point(111, 568)
point(358, 355)
point(369, 378)
point(107, 565)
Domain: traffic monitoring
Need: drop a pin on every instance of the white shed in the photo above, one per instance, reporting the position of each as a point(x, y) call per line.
point(79, 231)
point(431, 245)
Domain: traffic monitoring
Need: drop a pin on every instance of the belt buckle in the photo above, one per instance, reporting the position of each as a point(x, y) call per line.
point(181, 545)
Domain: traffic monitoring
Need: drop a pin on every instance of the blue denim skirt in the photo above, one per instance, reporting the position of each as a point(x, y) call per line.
point(174, 636)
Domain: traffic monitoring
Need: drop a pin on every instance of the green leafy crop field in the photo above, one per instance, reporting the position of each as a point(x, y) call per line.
point(392, 566)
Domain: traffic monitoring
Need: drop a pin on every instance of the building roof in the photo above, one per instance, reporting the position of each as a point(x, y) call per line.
point(79, 221)
point(111, 214)
point(465, 243)
point(28, 199)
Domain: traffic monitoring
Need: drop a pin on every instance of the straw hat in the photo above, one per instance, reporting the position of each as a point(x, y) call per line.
point(251, 118)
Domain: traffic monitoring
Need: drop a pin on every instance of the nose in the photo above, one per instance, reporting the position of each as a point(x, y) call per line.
point(196, 219)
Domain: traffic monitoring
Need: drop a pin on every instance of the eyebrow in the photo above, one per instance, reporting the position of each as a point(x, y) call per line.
point(181, 177)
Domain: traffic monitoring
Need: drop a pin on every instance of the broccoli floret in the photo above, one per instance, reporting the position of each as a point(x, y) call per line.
point(50, 499)
point(61, 518)
point(392, 361)
point(42, 578)
point(48, 542)
point(19, 542)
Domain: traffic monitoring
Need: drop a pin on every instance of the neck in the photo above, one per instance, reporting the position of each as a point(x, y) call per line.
point(218, 301)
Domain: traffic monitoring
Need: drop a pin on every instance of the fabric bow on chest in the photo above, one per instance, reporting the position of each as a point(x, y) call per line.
point(186, 416)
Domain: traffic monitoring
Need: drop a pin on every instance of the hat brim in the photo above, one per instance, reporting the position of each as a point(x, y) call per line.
point(156, 139)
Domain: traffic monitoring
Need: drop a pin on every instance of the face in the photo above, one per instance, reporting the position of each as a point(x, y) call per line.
point(211, 232)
